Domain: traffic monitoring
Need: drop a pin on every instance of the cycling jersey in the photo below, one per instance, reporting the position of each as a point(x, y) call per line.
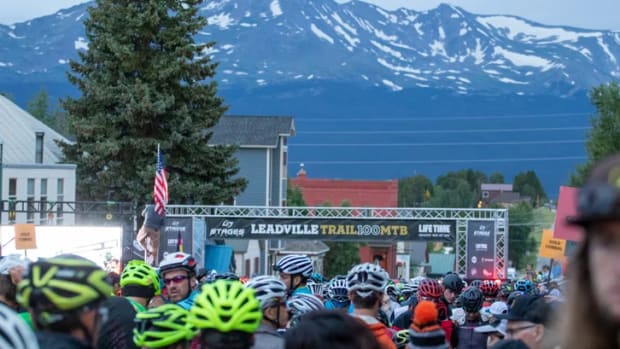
point(136, 306)
point(189, 301)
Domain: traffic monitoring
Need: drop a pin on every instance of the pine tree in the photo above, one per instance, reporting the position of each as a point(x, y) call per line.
point(38, 106)
point(144, 82)
point(604, 138)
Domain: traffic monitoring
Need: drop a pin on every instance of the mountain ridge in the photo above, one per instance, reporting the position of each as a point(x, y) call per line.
point(322, 62)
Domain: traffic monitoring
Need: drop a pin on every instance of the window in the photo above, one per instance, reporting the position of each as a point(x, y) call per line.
point(30, 201)
point(60, 197)
point(43, 201)
point(12, 188)
point(12, 198)
point(247, 272)
point(38, 151)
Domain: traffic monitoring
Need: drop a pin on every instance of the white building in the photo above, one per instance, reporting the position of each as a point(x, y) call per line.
point(31, 170)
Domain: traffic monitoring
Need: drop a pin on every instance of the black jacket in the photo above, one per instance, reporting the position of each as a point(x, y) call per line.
point(56, 340)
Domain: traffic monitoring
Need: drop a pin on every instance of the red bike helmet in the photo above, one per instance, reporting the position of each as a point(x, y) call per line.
point(429, 289)
point(489, 288)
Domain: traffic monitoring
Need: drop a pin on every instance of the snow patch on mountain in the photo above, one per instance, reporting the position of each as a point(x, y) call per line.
point(222, 20)
point(80, 44)
point(387, 49)
point(352, 41)
point(391, 85)
point(518, 29)
point(275, 8)
point(321, 34)
point(520, 59)
point(346, 26)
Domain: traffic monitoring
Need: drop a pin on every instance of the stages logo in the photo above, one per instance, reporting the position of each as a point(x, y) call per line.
point(227, 229)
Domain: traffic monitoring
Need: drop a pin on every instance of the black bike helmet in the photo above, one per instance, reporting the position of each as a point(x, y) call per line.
point(453, 283)
point(472, 300)
point(476, 283)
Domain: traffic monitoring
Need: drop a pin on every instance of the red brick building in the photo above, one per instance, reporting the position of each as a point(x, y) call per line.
point(359, 193)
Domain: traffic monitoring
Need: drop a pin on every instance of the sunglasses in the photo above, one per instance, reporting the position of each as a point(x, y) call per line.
point(175, 280)
point(598, 201)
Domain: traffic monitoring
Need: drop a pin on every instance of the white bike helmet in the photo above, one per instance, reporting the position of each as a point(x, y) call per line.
point(415, 282)
point(14, 333)
point(295, 264)
point(177, 260)
point(269, 289)
point(11, 261)
point(367, 278)
point(315, 288)
point(337, 289)
point(301, 304)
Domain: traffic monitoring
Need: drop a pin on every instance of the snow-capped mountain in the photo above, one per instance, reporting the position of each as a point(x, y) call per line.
point(270, 42)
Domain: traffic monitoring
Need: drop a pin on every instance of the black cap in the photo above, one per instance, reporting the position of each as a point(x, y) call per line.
point(599, 199)
point(116, 324)
point(531, 308)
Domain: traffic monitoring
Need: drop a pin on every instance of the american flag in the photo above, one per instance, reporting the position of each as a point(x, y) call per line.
point(160, 190)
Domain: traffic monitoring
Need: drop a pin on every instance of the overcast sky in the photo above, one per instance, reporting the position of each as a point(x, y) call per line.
point(591, 14)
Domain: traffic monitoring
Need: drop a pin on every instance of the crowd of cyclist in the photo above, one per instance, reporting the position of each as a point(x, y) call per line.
point(69, 302)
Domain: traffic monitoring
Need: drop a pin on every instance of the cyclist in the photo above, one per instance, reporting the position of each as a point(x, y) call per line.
point(295, 270)
point(226, 276)
point(316, 289)
point(227, 314)
point(338, 294)
point(178, 271)
point(14, 333)
point(300, 305)
point(139, 284)
point(63, 294)
point(367, 283)
point(467, 336)
point(490, 290)
point(163, 327)
point(271, 293)
point(428, 289)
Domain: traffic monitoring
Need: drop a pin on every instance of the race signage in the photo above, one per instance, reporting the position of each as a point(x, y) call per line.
point(330, 229)
point(25, 237)
point(551, 247)
point(481, 249)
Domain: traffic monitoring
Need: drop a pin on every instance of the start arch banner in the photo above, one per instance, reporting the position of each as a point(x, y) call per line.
point(342, 229)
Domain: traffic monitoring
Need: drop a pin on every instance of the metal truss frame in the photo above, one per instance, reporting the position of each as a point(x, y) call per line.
point(461, 215)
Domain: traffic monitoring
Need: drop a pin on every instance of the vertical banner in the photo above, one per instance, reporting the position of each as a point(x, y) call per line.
point(169, 237)
point(567, 207)
point(481, 250)
point(199, 240)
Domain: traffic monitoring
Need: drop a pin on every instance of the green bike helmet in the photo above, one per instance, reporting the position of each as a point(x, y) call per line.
point(226, 306)
point(162, 326)
point(138, 273)
point(62, 284)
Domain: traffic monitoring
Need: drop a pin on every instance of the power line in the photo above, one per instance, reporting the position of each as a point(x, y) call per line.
point(480, 130)
point(374, 117)
point(395, 162)
point(566, 141)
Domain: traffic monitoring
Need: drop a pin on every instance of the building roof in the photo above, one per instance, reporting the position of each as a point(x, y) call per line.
point(309, 247)
point(359, 193)
point(17, 134)
point(496, 187)
point(255, 131)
